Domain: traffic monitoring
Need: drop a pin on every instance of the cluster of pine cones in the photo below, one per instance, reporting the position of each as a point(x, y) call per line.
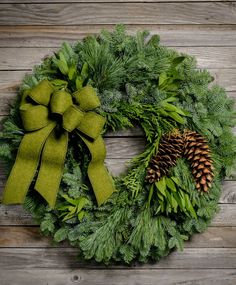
point(190, 145)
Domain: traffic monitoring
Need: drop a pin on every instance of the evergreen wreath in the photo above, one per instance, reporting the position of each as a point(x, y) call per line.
point(169, 191)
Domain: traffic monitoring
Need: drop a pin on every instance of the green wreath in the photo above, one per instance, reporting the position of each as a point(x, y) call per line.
point(169, 191)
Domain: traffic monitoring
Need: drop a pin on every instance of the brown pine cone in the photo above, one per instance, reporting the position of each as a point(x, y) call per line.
point(197, 151)
point(170, 148)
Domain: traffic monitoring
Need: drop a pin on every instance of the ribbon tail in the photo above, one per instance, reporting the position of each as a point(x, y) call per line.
point(99, 177)
point(25, 166)
point(51, 168)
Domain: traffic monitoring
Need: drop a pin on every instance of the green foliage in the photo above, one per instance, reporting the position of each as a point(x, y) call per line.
point(74, 182)
point(66, 60)
point(134, 180)
point(5, 151)
point(104, 69)
point(47, 226)
point(173, 198)
point(139, 82)
point(170, 80)
point(72, 208)
point(61, 234)
point(100, 243)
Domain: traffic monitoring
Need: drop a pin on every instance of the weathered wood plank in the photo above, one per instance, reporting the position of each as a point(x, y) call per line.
point(226, 78)
point(23, 237)
point(112, 13)
point(207, 57)
point(16, 216)
point(22, 58)
point(226, 216)
point(211, 57)
point(10, 80)
point(56, 258)
point(171, 35)
point(214, 237)
point(117, 166)
point(117, 277)
point(125, 147)
point(229, 192)
point(12, 236)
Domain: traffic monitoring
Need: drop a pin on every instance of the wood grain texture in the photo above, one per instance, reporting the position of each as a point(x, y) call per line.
point(113, 13)
point(171, 35)
point(214, 237)
point(51, 258)
point(22, 236)
point(207, 57)
point(118, 276)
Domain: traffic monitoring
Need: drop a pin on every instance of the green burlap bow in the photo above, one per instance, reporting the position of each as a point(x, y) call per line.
point(48, 116)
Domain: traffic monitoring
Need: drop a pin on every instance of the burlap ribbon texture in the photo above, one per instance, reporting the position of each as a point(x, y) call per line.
point(48, 116)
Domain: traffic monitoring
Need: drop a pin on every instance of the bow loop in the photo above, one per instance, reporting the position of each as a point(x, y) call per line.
point(44, 147)
point(41, 93)
point(34, 117)
point(60, 102)
point(87, 98)
point(72, 118)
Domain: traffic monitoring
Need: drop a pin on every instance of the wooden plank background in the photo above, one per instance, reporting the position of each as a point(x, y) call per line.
point(31, 29)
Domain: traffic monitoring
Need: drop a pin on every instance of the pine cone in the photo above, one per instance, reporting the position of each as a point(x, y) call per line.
point(170, 148)
point(196, 150)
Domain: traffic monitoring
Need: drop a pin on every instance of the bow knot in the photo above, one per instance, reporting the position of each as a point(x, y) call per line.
point(36, 115)
point(42, 109)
